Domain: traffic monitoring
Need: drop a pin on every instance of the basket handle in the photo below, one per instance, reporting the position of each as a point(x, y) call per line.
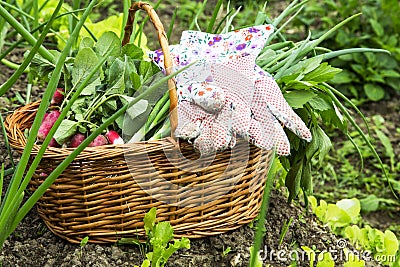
point(163, 40)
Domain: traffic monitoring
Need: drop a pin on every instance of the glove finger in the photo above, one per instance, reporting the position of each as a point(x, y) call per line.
point(204, 142)
point(282, 144)
point(190, 118)
point(269, 134)
point(207, 95)
point(236, 112)
point(260, 136)
point(221, 135)
point(268, 94)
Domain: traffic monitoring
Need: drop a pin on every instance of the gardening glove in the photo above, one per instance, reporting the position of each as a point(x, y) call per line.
point(264, 99)
point(261, 129)
point(218, 131)
point(208, 133)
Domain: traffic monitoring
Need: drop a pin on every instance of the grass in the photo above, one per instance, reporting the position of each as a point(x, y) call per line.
point(343, 176)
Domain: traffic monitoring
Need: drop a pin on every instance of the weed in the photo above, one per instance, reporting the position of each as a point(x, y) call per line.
point(82, 244)
point(226, 251)
point(157, 248)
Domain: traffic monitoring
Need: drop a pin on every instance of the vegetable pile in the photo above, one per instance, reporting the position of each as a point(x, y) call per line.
point(125, 74)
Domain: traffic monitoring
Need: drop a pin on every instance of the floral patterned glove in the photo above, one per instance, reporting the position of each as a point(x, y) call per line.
point(235, 96)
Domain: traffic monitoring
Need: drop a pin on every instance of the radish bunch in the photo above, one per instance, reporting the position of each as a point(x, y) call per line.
point(111, 137)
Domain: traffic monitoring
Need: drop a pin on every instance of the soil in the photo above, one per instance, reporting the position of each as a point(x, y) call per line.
point(32, 244)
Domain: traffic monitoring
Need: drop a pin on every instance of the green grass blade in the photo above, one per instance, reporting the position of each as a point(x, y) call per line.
point(23, 18)
point(126, 5)
point(7, 225)
point(229, 20)
point(172, 23)
point(15, 76)
point(17, 9)
point(284, 13)
point(2, 174)
point(20, 41)
point(263, 211)
point(330, 31)
point(7, 144)
point(156, 109)
point(308, 46)
point(198, 13)
point(36, 17)
point(43, 5)
point(160, 116)
point(25, 33)
point(214, 16)
point(278, 31)
point(72, 19)
point(223, 20)
point(338, 53)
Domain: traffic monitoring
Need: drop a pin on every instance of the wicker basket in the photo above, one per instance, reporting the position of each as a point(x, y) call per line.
point(106, 191)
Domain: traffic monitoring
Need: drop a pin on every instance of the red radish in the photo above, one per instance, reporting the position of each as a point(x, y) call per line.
point(53, 143)
point(58, 96)
point(45, 116)
point(76, 140)
point(114, 138)
point(99, 141)
point(47, 123)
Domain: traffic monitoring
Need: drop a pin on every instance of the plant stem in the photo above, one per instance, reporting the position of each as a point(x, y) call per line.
point(25, 34)
point(7, 144)
point(88, 116)
point(263, 211)
point(214, 16)
point(12, 65)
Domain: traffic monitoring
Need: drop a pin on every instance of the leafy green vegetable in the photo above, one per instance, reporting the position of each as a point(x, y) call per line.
point(339, 215)
point(126, 74)
point(108, 41)
point(159, 235)
point(66, 129)
point(85, 60)
point(297, 99)
point(383, 245)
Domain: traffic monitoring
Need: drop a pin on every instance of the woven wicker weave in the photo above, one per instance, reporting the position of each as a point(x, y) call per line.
point(106, 191)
